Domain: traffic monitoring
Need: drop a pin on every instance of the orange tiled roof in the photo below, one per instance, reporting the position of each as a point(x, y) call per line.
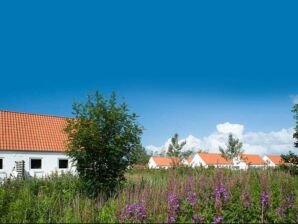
point(189, 159)
point(165, 161)
point(275, 159)
point(31, 132)
point(252, 159)
point(214, 159)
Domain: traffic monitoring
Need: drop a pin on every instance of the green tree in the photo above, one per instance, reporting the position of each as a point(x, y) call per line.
point(295, 135)
point(290, 163)
point(290, 158)
point(140, 156)
point(102, 136)
point(175, 148)
point(233, 148)
point(186, 154)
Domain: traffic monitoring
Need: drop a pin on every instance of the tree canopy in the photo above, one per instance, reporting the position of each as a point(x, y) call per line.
point(102, 138)
point(175, 148)
point(233, 148)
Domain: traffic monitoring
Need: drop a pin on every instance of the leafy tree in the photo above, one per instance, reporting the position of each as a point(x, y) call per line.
point(233, 148)
point(291, 163)
point(295, 135)
point(139, 155)
point(186, 154)
point(174, 149)
point(102, 136)
point(291, 158)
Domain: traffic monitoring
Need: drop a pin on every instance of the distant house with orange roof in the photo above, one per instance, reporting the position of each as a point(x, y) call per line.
point(246, 161)
point(273, 160)
point(162, 162)
point(37, 141)
point(187, 161)
point(211, 159)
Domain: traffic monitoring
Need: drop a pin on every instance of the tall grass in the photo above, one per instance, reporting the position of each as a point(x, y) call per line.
point(179, 195)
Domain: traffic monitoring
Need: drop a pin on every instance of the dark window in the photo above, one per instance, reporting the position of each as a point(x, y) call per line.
point(1, 164)
point(35, 163)
point(63, 163)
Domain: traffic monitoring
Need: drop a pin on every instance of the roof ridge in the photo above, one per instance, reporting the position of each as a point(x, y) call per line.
point(245, 154)
point(33, 114)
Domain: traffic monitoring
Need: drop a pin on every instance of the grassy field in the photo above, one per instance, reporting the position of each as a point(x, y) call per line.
point(180, 195)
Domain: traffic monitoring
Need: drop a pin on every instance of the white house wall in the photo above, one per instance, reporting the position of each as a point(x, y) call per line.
point(152, 164)
point(197, 161)
point(49, 162)
point(268, 161)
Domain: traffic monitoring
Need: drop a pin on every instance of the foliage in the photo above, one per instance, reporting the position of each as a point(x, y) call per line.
point(174, 149)
point(233, 148)
point(139, 155)
point(102, 137)
point(184, 195)
point(290, 158)
point(295, 135)
point(186, 154)
point(291, 163)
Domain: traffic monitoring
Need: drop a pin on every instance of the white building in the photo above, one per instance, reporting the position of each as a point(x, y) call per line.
point(156, 162)
point(246, 161)
point(272, 160)
point(187, 161)
point(211, 159)
point(37, 140)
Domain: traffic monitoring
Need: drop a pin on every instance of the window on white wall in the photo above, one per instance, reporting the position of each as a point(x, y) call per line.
point(1, 163)
point(63, 163)
point(35, 164)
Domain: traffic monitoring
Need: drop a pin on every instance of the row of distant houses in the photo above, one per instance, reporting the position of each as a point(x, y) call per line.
point(243, 162)
point(34, 145)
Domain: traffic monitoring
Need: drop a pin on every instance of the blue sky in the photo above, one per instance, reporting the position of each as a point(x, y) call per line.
point(181, 66)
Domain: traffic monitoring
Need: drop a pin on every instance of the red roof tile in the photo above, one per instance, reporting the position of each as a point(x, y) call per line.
point(31, 132)
point(214, 159)
point(165, 161)
point(189, 159)
point(277, 160)
point(252, 159)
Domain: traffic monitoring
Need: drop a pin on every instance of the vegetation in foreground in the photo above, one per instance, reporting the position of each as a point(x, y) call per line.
point(177, 195)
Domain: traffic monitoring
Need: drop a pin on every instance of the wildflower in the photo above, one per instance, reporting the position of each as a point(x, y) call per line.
point(220, 193)
point(173, 208)
point(192, 199)
point(201, 220)
point(280, 211)
point(194, 219)
point(217, 220)
point(246, 200)
point(289, 201)
point(134, 212)
point(265, 199)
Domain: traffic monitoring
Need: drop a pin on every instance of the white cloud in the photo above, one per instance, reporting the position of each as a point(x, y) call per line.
point(275, 142)
point(227, 128)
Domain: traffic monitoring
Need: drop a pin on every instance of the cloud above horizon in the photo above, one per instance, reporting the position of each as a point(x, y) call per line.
point(275, 142)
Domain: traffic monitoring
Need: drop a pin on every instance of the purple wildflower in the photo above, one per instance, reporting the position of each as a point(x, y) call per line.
point(192, 199)
point(246, 200)
point(220, 193)
point(280, 211)
point(265, 199)
point(201, 220)
point(217, 220)
point(194, 219)
point(173, 208)
point(134, 212)
point(289, 201)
